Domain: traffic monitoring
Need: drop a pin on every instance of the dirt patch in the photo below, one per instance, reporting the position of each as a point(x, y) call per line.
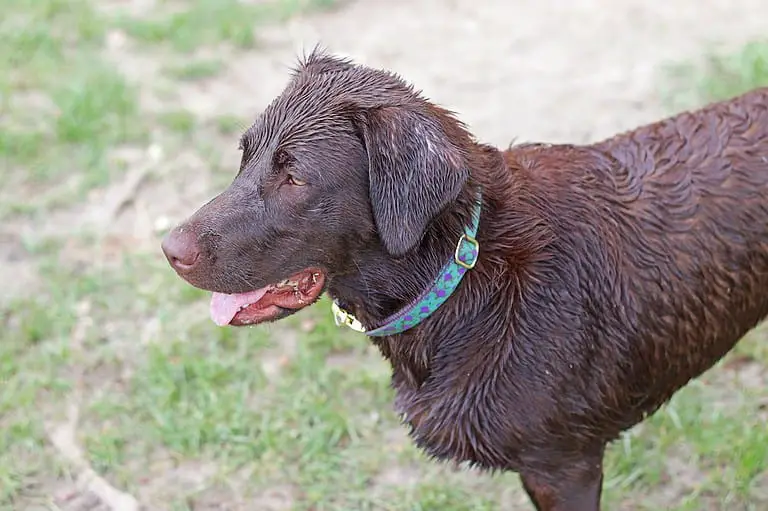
point(759, 488)
point(279, 498)
point(274, 360)
point(399, 476)
point(171, 479)
point(129, 7)
point(682, 475)
point(70, 498)
point(18, 271)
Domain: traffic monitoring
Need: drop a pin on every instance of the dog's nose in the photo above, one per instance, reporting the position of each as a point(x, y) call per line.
point(181, 250)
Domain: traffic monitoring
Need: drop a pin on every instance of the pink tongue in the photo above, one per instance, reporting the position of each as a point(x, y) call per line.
point(224, 307)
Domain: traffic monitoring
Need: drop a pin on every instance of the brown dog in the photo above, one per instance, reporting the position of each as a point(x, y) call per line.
point(607, 275)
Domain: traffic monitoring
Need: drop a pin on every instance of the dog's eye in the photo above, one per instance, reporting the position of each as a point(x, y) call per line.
point(294, 181)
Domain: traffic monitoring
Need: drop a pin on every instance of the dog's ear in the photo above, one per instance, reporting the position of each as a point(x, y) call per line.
point(414, 171)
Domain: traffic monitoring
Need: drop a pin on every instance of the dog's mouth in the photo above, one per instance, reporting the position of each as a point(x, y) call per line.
point(268, 303)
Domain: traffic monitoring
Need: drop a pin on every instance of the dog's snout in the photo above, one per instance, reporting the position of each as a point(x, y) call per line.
point(181, 249)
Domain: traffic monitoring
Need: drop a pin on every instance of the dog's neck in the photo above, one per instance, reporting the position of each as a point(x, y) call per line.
point(447, 252)
point(377, 285)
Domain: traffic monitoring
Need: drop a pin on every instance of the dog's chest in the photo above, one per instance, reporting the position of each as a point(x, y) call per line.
point(452, 425)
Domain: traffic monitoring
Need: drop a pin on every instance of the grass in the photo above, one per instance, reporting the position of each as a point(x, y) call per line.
point(737, 73)
point(204, 22)
point(197, 70)
point(719, 76)
point(179, 121)
point(57, 133)
point(33, 355)
point(230, 125)
point(186, 415)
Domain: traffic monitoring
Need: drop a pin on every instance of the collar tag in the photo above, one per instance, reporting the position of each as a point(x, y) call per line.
point(343, 317)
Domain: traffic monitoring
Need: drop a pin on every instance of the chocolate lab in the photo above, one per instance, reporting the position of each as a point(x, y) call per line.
point(534, 302)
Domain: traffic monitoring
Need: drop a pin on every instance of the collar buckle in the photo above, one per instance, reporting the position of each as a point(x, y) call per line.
point(468, 247)
point(343, 317)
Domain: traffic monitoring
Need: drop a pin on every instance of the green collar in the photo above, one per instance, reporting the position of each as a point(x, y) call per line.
point(464, 258)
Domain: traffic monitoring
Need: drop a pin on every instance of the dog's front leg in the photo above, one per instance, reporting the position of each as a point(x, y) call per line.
point(574, 486)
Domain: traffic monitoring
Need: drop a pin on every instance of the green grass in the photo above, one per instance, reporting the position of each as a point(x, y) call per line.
point(205, 22)
point(229, 125)
point(61, 131)
point(197, 70)
point(719, 76)
point(179, 121)
point(726, 76)
point(68, 106)
point(33, 359)
point(96, 108)
point(301, 405)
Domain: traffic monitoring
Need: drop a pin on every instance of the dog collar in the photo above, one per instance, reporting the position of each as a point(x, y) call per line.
point(464, 258)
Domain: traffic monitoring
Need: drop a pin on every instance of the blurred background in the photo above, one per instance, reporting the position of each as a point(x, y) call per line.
point(118, 118)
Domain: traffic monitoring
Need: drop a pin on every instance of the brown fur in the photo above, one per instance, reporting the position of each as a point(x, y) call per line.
point(609, 274)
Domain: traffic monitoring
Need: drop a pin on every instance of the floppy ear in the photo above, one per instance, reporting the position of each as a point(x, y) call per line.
point(414, 172)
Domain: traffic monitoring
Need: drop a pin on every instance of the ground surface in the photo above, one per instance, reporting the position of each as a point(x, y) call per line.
point(118, 118)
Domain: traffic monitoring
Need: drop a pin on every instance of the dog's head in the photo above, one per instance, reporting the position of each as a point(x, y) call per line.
point(346, 159)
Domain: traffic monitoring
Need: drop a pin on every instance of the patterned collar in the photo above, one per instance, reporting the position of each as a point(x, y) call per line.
point(464, 258)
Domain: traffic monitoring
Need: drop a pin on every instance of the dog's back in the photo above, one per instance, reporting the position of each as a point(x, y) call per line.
point(692, 204)
point(658, 259)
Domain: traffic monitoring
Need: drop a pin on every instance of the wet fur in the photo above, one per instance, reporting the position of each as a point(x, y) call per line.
point(609, 274)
